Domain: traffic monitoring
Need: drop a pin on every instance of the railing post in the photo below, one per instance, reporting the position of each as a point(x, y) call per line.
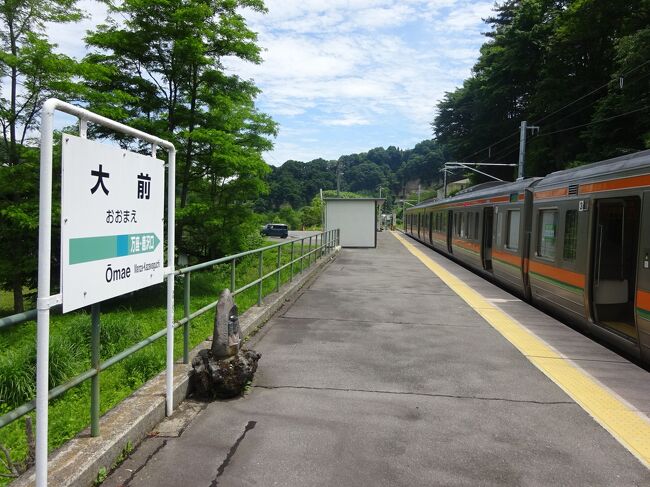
point(302, 253)
point(233, 276)
point(309, 253)
point(291, 265)
point(260, 269)
point(277, 270)
point(186, 326)
point(94, 362)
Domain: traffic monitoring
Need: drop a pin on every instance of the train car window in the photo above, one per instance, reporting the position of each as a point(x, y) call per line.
point(570, 235)
point(512, 241)
point(463, 225)
point(499, 227)
point(469, 225)
point(476, 218)
point(547, 233)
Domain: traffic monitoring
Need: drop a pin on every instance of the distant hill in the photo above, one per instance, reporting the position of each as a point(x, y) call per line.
point(295, 183)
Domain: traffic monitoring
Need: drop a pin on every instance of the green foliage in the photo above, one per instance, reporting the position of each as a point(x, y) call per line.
point(296, 183)
point(101, 475)
point(17, 372)
point(124, 322)
point(30, 72)
point(541, 56)
point(181, 92)
point(139, 367)
point(124, 454)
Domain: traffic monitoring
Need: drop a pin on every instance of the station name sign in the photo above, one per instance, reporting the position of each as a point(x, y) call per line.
point(112, 204)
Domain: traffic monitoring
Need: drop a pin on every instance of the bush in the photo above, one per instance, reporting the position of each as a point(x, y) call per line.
point(17, 373)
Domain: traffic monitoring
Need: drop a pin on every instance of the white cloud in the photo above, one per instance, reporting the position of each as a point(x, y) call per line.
point(374, 65)
point(466, 17)
point(69, 37)
point(347, 121)
point(363, 62)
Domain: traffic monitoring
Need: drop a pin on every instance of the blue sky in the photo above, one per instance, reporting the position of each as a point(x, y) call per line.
point(344, 76)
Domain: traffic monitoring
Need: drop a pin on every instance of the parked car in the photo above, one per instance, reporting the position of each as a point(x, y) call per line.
point(275, 230)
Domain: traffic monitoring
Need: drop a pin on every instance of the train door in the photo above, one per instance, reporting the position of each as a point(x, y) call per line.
point(643, 282)
point(613, 279)
point(431, 228)
point(486, 245)
point(450, 229)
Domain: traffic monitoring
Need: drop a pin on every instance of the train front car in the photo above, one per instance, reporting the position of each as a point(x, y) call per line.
point(590, 245)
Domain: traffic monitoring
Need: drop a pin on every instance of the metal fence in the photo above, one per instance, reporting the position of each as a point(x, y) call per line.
point(303, 252)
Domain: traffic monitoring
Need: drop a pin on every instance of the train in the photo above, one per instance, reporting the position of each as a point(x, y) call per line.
point(575, 243)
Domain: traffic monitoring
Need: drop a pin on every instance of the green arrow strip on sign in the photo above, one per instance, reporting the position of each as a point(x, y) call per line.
point(88, 249)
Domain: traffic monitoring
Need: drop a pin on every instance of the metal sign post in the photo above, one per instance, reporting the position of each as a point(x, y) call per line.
point(92, 251)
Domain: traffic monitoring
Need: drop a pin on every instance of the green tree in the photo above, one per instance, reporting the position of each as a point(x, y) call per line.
point(30, 72)
point(557, 64)
point(167, 57)
point(631, 133)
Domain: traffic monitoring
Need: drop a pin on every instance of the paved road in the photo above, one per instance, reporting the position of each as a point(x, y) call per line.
point(294, 235)
point(380, 375)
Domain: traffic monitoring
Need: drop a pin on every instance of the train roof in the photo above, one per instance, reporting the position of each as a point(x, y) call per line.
point(484, 190)
point(629, 163)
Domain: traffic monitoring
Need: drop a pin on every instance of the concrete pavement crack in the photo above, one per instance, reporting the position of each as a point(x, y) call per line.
point(380, 322)
point(144, 464)
point(420, 394)
point(233, 449)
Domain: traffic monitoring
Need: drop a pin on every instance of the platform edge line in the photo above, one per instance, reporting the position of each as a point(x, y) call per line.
point(597, 400)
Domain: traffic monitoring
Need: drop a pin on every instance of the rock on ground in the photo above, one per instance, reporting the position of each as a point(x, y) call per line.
point(222, 378)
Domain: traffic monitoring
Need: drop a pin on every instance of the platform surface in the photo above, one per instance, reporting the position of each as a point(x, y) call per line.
point(379, 374)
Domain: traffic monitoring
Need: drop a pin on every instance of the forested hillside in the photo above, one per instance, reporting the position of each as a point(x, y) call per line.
point(295, 183)
point(156, 66)
point(578, 69)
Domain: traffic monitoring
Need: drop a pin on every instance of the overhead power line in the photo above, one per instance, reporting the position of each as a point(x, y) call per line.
point(501, 156)
point(545, 117)
point(591, 92)
point(596, 121)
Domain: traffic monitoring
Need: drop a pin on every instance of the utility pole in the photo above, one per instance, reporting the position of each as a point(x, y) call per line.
point(523, 130)
point(338, 178)
point(419, 188)
point(445, 190)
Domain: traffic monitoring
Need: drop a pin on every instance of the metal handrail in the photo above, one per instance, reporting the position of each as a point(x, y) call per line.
point(328, 241)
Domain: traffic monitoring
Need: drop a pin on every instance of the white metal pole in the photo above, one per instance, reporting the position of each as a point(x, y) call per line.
point(42, 302)
point(171, 228)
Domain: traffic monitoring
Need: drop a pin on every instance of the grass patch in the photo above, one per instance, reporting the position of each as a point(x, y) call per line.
point(124, 322)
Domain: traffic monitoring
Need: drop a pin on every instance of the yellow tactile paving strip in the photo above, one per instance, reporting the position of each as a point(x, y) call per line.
point(628, 426)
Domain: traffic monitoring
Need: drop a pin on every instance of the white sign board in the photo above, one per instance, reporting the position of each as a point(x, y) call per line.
point(112, 203)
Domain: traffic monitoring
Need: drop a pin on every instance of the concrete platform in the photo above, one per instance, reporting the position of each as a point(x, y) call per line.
point(380, 375)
